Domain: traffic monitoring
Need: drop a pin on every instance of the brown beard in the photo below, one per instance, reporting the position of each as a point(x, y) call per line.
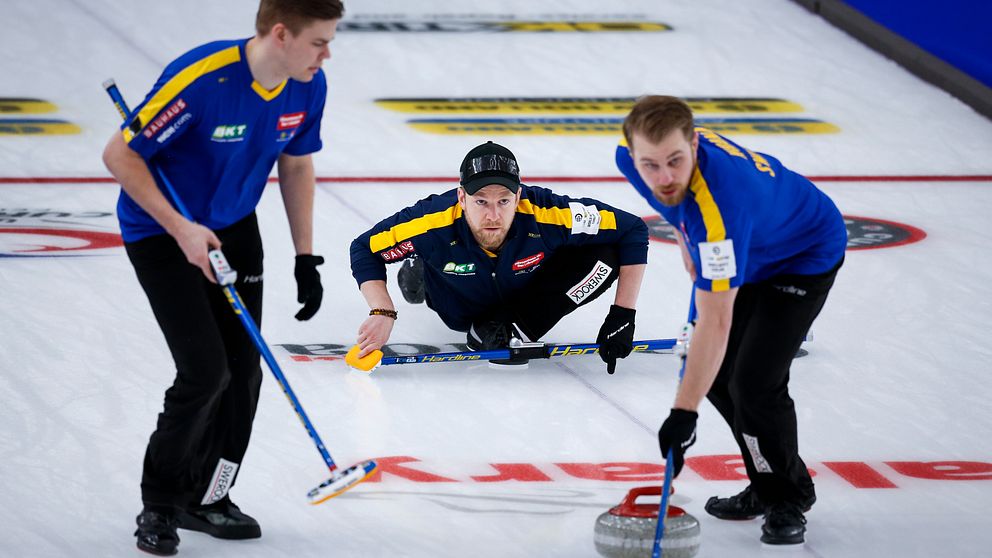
point(484, 240)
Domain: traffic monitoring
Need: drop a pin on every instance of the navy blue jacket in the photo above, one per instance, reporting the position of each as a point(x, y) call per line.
point(461, 278)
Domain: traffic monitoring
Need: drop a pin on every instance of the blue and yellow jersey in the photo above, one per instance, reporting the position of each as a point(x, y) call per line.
point(216, 134)
point(461, 278)
point(746, 217)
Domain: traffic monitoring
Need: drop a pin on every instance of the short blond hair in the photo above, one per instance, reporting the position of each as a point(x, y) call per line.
point(656, 116)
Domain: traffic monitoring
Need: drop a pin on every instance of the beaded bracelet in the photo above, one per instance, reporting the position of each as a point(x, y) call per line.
point(382, 312)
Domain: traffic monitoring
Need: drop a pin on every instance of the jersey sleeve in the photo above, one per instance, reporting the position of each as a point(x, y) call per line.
point(307, 140)
point(566, 221)
point(167, 112)
point(401, 235)
point(719, 230)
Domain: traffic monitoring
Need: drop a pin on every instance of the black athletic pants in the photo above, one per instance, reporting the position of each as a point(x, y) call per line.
point(203, 430)
point(570, 278)
point(751, 390)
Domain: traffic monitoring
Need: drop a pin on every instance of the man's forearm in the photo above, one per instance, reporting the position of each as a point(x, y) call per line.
point(706, 352)
point(629, 285)
point(708, 346)
point(377, 295)
point(134, 176)
point(296, 183)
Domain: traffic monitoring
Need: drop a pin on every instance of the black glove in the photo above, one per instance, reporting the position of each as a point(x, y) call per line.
point(677, 433)
point(616, 337)
point(308, 289)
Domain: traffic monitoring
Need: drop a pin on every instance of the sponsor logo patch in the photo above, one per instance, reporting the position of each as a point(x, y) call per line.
point(221, 481)
point(164, 118)
point(397, 251)
point(590, 284)
point(459, 269)
point(291, 120)
point(231, 133)
point(717, 260)
point(529, 261)
point(585, 218)
point(164, 136)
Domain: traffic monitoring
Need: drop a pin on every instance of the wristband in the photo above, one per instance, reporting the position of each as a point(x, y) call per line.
point(383, 312)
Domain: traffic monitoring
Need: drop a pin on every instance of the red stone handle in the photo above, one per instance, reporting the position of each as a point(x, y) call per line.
point(629, 508)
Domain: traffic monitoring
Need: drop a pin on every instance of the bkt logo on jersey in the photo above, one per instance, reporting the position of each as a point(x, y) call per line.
point(459, 269)
point(234, 132)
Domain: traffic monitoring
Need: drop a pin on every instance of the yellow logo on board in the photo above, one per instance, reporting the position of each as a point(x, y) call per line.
point(17, 105)
point(36, 127)
point(611, 126)
point(577, 105)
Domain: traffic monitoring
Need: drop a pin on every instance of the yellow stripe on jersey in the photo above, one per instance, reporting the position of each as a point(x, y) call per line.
point(414, 227)
point(265, 93)
point(562, 215)
point(712, 219)
point(181, 81)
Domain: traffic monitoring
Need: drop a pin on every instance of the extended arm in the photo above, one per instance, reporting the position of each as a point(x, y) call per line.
point(629, 285)
point(714, 311)
point(374, 331)
point(296, 181)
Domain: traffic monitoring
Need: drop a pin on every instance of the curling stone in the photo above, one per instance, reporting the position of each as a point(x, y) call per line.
point(627, 530)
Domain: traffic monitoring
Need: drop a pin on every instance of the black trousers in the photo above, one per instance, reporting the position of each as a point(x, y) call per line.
point(203, 430)
point(571, 277)
point(751, 390)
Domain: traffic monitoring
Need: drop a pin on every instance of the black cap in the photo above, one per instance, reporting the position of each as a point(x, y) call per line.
point(489, 163)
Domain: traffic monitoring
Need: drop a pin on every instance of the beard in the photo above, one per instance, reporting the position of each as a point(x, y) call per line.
point(672, 200)
point(681, 190)
point(491, 240)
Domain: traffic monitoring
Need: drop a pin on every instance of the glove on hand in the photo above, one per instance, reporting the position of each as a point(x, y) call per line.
point(616, 337)
point(308, 288)
point(678, 433)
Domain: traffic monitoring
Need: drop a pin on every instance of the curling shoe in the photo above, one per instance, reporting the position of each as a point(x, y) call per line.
point(222, 520)
point(411, 280)
point(745, 505)
point(157, 532)
point(489, 336)
point(493, 335)
point(784, 524)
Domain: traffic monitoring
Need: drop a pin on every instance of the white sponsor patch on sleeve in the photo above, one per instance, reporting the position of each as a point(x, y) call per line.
point(585, 218)
point(590, 284)
point(717, 260)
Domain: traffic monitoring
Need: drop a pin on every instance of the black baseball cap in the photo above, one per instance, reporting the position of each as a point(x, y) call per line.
point(489, 163)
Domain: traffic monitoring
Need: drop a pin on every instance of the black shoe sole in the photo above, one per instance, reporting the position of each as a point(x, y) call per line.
point(730, 516)
point(775, 541)
point(746, 517)
point(156, 551)
point(193, 523)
